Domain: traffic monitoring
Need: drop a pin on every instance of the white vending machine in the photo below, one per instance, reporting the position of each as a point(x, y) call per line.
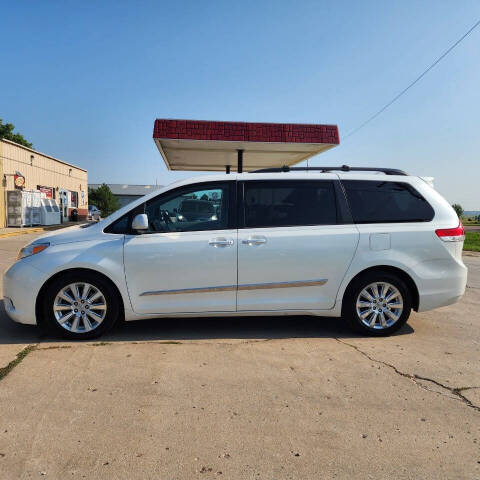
point(23, 208)
point(50, 212)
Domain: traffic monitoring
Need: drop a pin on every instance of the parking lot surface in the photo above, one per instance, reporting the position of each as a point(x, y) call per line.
point(245, 398)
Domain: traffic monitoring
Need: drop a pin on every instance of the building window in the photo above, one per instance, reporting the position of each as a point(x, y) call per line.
point(74, 197)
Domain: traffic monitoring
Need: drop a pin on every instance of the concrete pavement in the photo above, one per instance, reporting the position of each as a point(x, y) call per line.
point(252, 398)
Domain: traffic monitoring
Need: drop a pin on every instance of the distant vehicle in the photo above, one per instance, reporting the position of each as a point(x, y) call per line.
point(369, 247)
point(196, 211)
point(93, 213)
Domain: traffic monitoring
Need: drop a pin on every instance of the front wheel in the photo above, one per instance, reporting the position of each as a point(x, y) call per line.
point(80, 305)
point(377, 303)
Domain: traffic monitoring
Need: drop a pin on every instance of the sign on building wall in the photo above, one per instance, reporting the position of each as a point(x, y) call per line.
point(48, 191)
point(19, 181)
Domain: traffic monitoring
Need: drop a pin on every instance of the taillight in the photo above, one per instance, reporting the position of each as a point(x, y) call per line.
point(451, 234)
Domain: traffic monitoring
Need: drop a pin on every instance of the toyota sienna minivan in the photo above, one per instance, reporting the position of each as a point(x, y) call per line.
point(366, 246)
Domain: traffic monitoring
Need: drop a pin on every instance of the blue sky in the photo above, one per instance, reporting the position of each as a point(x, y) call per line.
point(84, 81)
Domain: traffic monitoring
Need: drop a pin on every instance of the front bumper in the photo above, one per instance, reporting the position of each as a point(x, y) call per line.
point(21, 284)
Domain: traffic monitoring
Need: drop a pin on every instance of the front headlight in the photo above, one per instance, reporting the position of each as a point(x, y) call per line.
point(32, 249)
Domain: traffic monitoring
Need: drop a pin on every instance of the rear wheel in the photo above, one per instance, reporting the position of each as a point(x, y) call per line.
point(80, 305)
point(377, 303)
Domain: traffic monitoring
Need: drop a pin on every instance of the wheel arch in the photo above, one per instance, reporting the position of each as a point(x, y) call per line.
point(41, 292)
point(395, 271)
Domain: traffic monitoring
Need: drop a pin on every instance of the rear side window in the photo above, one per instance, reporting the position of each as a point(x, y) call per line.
point(289, 203)
point(386, 202)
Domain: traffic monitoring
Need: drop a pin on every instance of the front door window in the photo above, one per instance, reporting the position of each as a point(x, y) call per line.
point(191, 209)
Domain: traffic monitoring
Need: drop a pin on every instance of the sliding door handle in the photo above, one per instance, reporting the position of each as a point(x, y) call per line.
point(254, 241)
point(220, 242)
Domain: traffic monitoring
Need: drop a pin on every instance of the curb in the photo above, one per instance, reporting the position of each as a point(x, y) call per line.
point(26, 231)
point(22, 232)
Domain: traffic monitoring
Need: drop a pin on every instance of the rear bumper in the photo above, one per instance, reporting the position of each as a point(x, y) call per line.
point(440, 283)
point(21, 284)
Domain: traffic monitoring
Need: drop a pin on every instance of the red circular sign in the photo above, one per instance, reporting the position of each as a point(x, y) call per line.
point(19, 181)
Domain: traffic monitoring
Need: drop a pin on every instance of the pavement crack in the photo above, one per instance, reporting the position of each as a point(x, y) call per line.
point(455, 391)
point(195, 342)
point(4, 371)
point(191, 342)
point(54, 347)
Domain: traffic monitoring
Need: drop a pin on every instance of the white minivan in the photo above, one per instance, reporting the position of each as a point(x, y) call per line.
point(367, 246)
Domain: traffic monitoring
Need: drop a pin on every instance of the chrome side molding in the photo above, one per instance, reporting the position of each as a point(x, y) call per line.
point(229, 288)
point(223, 288)
point(300, 283)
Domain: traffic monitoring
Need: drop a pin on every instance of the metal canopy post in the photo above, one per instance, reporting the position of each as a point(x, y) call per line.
point(240, 161)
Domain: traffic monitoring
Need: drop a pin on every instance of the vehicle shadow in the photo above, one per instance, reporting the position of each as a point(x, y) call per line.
point(199, 328)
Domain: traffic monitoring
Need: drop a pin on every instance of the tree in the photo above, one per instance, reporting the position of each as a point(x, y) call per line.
point(102, 197)
point(458, 208)
point(6, 131)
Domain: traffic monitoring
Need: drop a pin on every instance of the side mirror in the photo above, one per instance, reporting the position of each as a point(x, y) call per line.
point(140, 222)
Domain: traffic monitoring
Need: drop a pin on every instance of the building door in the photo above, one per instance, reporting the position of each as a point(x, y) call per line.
point(64, 204)
point(3, 208)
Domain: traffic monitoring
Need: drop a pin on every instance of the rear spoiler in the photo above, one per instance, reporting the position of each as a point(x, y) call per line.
point(429, 180)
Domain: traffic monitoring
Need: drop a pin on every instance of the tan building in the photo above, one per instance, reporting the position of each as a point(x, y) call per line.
point(65, 183)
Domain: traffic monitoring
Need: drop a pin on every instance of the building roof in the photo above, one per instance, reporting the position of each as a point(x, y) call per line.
point(123, 189)
point(40, 153)
point(210, 145)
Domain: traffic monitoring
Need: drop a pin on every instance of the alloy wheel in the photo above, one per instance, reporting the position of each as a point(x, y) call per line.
point(379, 305)
point(79, 307)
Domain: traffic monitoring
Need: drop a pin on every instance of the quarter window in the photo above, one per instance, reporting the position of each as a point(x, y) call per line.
point(289, 203)
point(386, 202)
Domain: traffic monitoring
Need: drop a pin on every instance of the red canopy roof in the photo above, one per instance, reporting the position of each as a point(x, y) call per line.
point(210, 145)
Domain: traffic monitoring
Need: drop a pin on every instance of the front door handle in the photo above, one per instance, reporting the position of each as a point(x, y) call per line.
point(256, 240)
point(220, 242)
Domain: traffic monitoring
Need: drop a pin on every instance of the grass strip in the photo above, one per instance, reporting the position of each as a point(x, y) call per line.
point(472, 241)
point(4, 371)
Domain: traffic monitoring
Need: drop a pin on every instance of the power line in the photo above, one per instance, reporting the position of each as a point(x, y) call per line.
point(441, 57)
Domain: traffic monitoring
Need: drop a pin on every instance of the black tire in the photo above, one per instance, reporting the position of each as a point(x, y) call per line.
point(108, 291)
point(349, 307)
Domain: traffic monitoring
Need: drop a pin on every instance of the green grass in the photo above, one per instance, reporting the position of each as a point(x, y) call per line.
point(4, 371)
point(472, 241)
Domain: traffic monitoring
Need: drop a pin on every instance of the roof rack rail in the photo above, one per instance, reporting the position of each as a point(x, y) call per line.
point(343, 168)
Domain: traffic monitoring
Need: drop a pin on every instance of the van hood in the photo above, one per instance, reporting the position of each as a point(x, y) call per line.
point(77, 233)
